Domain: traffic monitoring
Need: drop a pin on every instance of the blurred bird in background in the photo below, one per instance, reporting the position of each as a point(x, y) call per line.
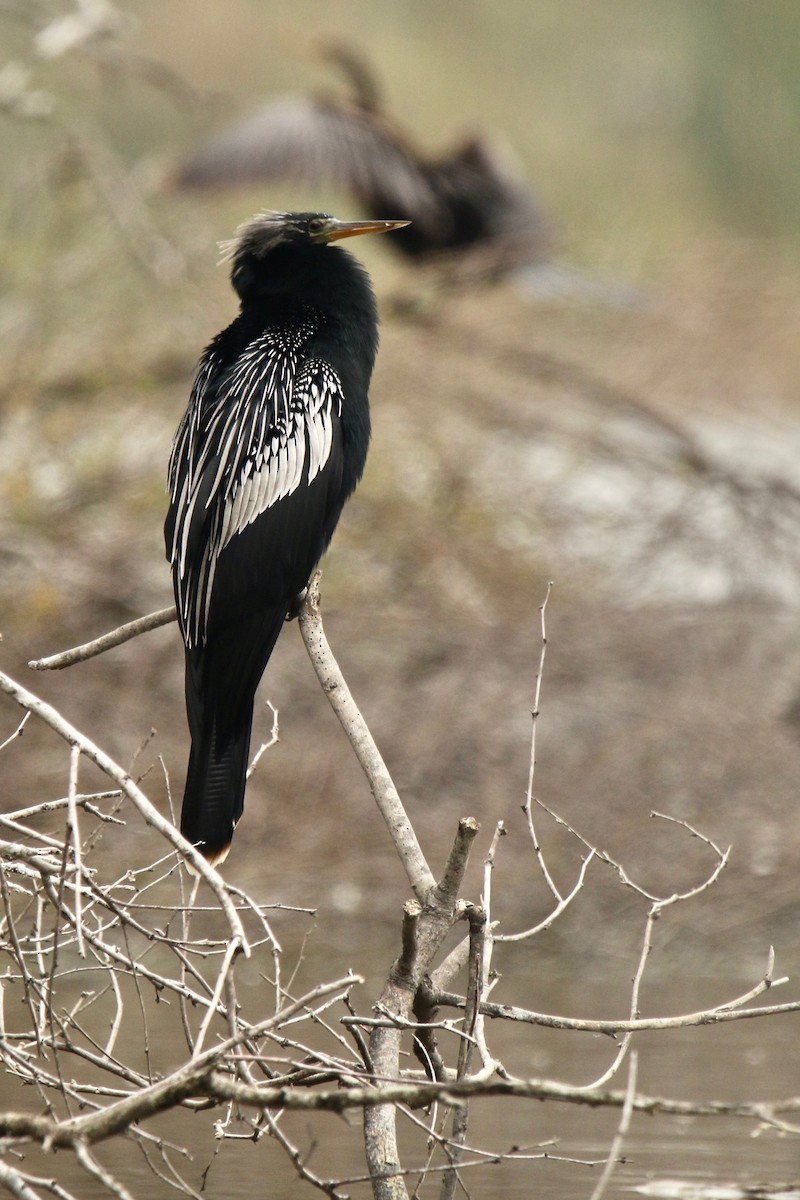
point(471, 211)
point(472, 197)
point(272, 444)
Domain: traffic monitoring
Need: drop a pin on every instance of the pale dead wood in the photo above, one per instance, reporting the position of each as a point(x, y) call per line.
point(418, 1094)
point(50, 716)
point(622, 1130)
point(367, 753)
point(107, 641)
point(715, 1016)
point(186, 1082)
point(424, 931)
point(527, 807)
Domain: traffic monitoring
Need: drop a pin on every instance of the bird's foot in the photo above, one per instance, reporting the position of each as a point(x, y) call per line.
point(296, 604)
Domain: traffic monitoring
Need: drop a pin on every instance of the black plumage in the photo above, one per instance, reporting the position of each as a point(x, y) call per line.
point(469, 197)
point(273, 442)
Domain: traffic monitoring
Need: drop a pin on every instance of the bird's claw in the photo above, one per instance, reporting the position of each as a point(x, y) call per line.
point(297, 603)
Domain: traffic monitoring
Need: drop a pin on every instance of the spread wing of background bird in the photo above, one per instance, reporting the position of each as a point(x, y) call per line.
point(315, 142)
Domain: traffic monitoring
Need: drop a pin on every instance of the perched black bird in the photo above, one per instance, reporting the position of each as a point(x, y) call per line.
point(470, 197)
point(272, 444)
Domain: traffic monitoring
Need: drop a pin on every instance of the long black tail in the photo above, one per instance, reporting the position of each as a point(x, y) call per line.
point(213, 800)
point(221, 680)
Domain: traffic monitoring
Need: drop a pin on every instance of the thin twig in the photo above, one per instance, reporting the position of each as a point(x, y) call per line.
point(152, 816)
point(720, 1014)
point(560, 907)
point(460, 1121)
point(622, 1130)
point(271, 741)
point(116, 637)
point(74, 837)
point(18, 732)
point(527, 807)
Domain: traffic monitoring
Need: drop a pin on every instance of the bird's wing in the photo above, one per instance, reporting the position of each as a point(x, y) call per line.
point(258, 440)
point(317, 142)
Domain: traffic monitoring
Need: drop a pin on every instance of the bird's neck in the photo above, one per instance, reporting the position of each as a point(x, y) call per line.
point(323, 284)
point(322, 296)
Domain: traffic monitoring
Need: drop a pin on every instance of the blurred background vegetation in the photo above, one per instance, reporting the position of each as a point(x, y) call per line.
point(642, 454)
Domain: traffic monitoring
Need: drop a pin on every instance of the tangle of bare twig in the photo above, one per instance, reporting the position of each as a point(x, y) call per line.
point(98, 956)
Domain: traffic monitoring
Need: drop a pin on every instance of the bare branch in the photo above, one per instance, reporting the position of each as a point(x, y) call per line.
point(563, 903)
point(70, 734)
point(730, 1011)
point(271, 741)
point(527, 807)
point(367, 753)
point(187, 1081)
point(116, 637)
point(458, 1134)
point(619, 1136)
point(18, 732)
point(446, 892)
point(416, 1095)
point(14, 1182)
point(397, 1000)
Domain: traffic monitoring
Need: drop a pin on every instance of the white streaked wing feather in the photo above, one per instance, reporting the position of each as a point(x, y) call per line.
point(269, 426)
point(315, 445)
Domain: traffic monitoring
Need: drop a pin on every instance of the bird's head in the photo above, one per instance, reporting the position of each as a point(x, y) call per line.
point(290, 239)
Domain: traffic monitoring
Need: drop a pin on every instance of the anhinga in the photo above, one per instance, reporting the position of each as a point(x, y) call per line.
point(273, 442)
point(469, 198)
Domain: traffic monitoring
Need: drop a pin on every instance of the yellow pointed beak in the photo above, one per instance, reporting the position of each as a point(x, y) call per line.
point(334, 230)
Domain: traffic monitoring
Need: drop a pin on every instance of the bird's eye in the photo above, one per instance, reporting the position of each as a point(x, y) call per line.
point(316, 225)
